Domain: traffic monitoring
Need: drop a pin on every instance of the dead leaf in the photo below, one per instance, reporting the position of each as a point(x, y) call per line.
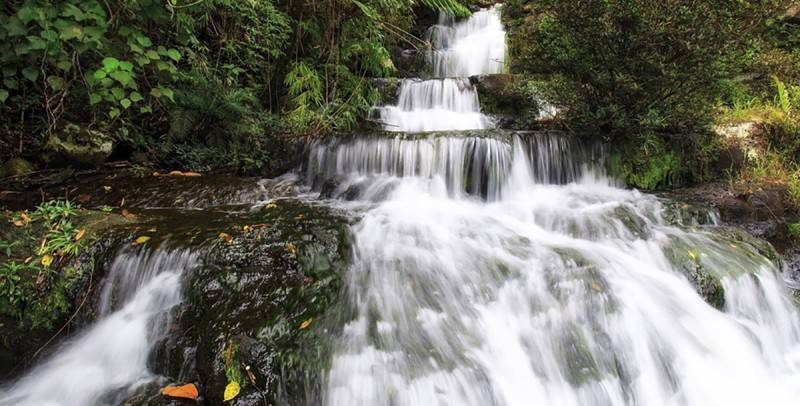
point(80, 234)
point(270, 206)
point(107, 188)
point(191, 174)
point(141, 240)
point(231, 391)
point(299, 217)
point(305, 324)
point(227, 237)
point(122, 202)
point(175, 173)
point(250, 374)
point(128, 215)
point(188, 391)
point(19, 223)
point(47, 260)
point(84, 198)
point(291, 248)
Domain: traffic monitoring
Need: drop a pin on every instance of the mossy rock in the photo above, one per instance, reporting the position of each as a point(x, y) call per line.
point(80, 145)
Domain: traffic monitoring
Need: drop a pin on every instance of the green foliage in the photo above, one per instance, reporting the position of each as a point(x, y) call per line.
point(137, 69)
point(36, 275)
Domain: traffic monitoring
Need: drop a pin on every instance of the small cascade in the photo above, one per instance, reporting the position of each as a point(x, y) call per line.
point(475, 46)
point(109, 360)
point(456, 166)
point(450, 102)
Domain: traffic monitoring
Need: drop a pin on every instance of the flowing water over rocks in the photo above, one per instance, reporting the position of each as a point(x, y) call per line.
point(473, 266)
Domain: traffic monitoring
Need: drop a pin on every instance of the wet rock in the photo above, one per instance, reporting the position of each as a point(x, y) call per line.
point(258, 301)
point(80, 145)
point(511, 99)
point(16, 167)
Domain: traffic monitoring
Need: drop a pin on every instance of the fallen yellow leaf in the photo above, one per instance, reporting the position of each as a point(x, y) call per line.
point(231, 391)
point(19, 223)
point(141, 240)
point(305, 324)
point(80, 234)
point(271, 206)
point(188, 391)
point(191, 174)
point(227, 237)
point(291, 248)
point(47, 260)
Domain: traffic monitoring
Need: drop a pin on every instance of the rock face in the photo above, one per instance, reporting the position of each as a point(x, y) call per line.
point(255, 307)
point(80, 145)
point(513, 101)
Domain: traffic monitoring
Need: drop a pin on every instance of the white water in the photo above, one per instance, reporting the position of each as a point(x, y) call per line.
point(460, 49)
point(109, 360)
point(550, 294)
point(509, 271)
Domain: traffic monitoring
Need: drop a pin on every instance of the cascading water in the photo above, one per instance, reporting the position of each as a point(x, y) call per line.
point(510, 271)
point(450, 102)
point(106, 362)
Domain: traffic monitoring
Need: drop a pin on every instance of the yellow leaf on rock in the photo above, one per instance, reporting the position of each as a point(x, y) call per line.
point(692, 255)
point(305, 324)
point(188, 391)
point(47, 260)
point(141, 240)
point(231, 391)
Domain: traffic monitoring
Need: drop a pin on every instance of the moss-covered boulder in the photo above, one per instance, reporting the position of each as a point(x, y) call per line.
point(80, 145)
point(16, 167)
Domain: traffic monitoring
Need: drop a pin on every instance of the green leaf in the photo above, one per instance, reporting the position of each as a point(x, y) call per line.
point(174, 54)
point(118, 93)
point(35, 42)
point(64, 65)
point(152, 55)
point(99, 74)
point(122, 77)
point(30, 74)
point(146, 109)
point(74, 31)
point(15, 28)
point(143, 41)
point(114, 112)
point(94, 98)
point(9, 71)
point(3, 95)
point(110, 63)
point(136, 96)
point(126, 66)
point(125, 103)
point(55, 82)
point(28, 14)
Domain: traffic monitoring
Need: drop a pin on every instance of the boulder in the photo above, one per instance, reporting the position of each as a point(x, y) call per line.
point(80, 145)
point(16, 167)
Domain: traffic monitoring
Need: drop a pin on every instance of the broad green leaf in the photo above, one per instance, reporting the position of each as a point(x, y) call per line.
point(152, 55)
point(110, 63)
point(125, 103)
point(99, 74)
point(30, 74)
point(74, 31)
point(136, 96)
point(142, 61)
point(64, 65)
point(125, 65)
point(143, 41)
point(55, 82)
point(15, 28)
point(174, 54)
point(146, 109)
point(36, 42)
point(94, 98)
point(122, 77)
point(9, 71)
point(118, 93)
point(3, 95)
point(28, 13)
point(114, 112)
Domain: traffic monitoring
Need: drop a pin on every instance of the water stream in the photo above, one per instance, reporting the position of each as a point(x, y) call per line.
point(511, 271)
point(104, 364)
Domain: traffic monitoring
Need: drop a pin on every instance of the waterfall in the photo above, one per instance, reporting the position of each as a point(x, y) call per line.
point(507, 269)
point(450, 102)
point(103, 364)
